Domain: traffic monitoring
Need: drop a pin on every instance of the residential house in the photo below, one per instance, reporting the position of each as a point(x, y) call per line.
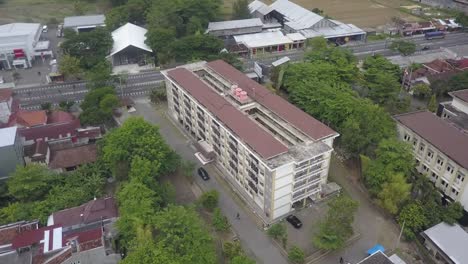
point(97, 212)
point(273, 153)
point(440, 150)
point(446, 243)
point(381, 258)
point(7, 105)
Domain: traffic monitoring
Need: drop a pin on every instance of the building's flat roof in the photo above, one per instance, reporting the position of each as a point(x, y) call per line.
point(79, 21)
point(461, 94)
point(285, 110)
point(234, 24)
point(246, 129)
point(129, 35)
point(7, 136)
point(445, 137)
point(263, 39)
point(451, 239)
point(19, 29)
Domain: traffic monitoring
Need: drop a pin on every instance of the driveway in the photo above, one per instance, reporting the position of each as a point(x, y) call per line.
point(252, 238)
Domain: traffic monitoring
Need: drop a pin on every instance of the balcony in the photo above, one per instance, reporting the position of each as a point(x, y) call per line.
point(254, 188)
point(253, 177)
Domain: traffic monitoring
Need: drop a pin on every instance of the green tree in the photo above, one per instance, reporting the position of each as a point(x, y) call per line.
point(382, 64)
point(220, 222)
point(109, 102)
point(383, 88)
point(404, 47)
point(70, 67)
point(117, 17)
point(422, 90)
point(412, 215)
point(90, 48)
point(66, 105)
point(47, 106)
point(242, 259)
point(232, 249)
point(119, 147)
point(31, 182)
point(432, 104)
point(196, 47)
point(209, 199)
point(277, 231)
point(296, 255)
point(99, 75)
point(92, 113)
point(394, 193)
point(337, 226)
point(160, 40)
point(452, 213)
point(182, 235)
point(240, 9)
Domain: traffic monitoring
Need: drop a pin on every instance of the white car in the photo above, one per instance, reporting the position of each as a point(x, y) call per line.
point(45, 29)
point(1, 79)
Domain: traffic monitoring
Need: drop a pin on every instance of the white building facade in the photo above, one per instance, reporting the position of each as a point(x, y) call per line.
point(273, 154)
point(440, 150)
point(18, 44)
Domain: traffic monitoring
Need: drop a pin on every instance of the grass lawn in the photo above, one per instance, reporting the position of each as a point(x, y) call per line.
point(44, 10)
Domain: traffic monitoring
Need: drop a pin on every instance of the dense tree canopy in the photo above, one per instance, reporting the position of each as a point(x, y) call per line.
point(120, 147)
point(404, 47)
point(30, 183)
point(98, 106)
point(240, 9)
point(90, 48)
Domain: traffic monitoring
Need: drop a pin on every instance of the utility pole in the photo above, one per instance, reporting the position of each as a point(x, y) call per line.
point(399, 236)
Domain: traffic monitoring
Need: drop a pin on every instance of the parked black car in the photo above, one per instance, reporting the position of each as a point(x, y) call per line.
point(203, 174)
point(426, 48)
point(294, 221)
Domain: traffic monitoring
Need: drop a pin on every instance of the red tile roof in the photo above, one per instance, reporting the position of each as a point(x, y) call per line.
point(74, 156)
point(445, 137)
point(298, 118)
point(59, 117)
point(247, 130)
point(438, 66)
point(50, 131)
point(95, 210)
point(31, 237)
point(30, 118)
point(87, 240)
point(10, 231)
point(5, 94)
point(461, 94)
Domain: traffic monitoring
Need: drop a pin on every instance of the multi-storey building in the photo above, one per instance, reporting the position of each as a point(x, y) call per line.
point(273, 153)
point(456, 111)
point(441, 152)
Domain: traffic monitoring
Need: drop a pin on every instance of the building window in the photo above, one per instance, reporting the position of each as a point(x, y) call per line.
point(460, 177)
point(407, 137)
point(440, 161)
point(449, 169)
point(421, 148)
point(430, 154)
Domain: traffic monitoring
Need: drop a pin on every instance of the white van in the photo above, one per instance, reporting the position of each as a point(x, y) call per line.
point(45, 29)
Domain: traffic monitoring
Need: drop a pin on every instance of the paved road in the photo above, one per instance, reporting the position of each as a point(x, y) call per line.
point(135, 86)
point(251, 237)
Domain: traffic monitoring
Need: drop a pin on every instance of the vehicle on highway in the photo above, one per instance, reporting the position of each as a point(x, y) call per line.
point(203, 174)
point(294, 221)
point(1, 79)
point(426, 48)
point(434, 35)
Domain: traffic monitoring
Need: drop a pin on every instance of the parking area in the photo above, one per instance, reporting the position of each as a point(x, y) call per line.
point(310, 218)
point(35, 75)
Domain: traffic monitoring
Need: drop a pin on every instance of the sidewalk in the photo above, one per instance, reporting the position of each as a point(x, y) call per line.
point(251, 237)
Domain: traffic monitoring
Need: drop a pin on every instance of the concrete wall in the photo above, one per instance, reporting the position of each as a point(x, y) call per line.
point(11, 156)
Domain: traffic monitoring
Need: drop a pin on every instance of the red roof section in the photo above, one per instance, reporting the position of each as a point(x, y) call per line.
point(92, 211)
point(445, 137)
point(461, 94)
point(84, 236)
point(5, 94)
point(295, 116)
point(10, 231)
point(74, 156)
point(247, 130)
point(59, 117)
point(29, 118)
point(50, 131)
point(31, 237)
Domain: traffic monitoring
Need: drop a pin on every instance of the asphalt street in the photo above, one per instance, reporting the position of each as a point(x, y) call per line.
point(139, 85)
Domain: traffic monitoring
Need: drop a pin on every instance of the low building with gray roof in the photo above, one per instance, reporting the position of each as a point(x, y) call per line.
point(84, 23)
